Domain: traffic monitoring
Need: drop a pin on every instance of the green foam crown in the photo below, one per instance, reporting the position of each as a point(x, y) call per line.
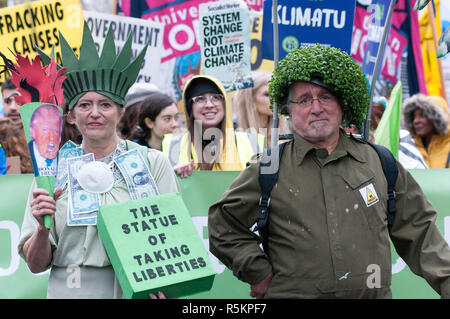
point(107, 74)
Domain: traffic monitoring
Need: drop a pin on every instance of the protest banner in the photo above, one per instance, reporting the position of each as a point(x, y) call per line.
point(180, 19)
point(42, 124)
point(38, 24)
point(179, 66)
point(225, 43)
point(377, 23)
point(198, 195)
point(305, 22)
point(13, 165)
point(144, 32)
point(403, 40)
point(153, 246)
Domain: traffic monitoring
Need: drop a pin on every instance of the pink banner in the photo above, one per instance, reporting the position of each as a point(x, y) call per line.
point(394, 47)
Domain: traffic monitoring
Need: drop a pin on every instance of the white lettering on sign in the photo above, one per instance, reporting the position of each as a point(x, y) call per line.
point(15, 259)
point(305, 17)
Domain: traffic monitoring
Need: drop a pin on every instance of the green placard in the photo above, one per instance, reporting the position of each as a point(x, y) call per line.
point(153, 246)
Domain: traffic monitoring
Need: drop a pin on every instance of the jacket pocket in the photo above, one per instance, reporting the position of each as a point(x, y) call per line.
point(369, 199)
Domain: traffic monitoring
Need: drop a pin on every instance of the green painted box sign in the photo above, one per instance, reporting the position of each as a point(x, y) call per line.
point(153, 246)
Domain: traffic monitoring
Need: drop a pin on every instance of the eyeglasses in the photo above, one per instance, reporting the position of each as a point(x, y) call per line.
point(215, 99)
point(307, 101)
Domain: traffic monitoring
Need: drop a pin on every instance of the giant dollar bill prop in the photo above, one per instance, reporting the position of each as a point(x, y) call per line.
point(153, 246)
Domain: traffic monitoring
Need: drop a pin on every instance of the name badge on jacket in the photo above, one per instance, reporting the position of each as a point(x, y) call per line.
point(369, 195)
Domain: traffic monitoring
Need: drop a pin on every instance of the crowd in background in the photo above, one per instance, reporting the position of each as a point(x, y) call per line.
point(150, 117)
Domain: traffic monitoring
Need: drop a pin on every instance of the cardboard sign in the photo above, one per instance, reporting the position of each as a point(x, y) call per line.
point(153, 246)
point(306, 22)
point(225, 43)
point(144, 31)
point(42, 123)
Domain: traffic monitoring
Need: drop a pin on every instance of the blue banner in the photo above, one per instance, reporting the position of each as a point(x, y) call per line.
point(306, 22)
point(378, 13)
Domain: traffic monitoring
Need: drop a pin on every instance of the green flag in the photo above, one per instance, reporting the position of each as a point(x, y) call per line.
point(388, 130)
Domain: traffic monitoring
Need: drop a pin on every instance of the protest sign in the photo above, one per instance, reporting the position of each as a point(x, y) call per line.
point(144, 31)
point(42, 124)
point(181, 58)
point(153, 246)
point(363, 41)
point(225, 43)
point(306, 22)
point(13, 165)
point(37, 23)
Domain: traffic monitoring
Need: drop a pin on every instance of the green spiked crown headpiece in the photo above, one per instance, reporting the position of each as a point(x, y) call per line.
point(107, 74)
point(328, 67)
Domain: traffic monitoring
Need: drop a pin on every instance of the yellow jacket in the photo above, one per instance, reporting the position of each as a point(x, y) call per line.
point(437, 155)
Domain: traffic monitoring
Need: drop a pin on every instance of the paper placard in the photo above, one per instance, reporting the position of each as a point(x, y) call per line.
point(225, 43)
point(153, 246)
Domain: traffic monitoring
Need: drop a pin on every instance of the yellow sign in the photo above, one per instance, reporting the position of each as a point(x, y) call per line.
point(370, 197)
point(38, 24)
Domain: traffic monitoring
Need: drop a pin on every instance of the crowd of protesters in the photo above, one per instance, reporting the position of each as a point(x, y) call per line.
point(151, 118)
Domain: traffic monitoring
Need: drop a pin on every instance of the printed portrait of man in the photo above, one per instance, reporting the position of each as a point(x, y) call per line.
point(45, 134)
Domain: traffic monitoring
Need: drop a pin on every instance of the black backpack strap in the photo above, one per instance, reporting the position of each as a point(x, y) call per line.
point(390, 170)
point(266, 182)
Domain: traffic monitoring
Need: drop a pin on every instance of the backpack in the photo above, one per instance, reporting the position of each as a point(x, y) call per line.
point(267, 182)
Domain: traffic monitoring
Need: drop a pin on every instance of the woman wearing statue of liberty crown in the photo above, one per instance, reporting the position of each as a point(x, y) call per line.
point(89, 174)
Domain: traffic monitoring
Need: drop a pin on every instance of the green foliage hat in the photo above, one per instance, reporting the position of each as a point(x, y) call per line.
point(326, 66)
point(107, 74)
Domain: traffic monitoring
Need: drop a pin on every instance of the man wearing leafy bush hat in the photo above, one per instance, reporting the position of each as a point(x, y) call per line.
point(327, 230)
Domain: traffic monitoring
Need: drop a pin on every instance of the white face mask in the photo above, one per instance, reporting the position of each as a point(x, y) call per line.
point(96, 177)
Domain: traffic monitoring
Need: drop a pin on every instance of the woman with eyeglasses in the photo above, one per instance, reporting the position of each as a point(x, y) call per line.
point(210, 142)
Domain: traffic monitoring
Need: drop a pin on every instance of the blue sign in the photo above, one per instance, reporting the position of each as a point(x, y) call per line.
point(378, 13)
point(306, 22)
